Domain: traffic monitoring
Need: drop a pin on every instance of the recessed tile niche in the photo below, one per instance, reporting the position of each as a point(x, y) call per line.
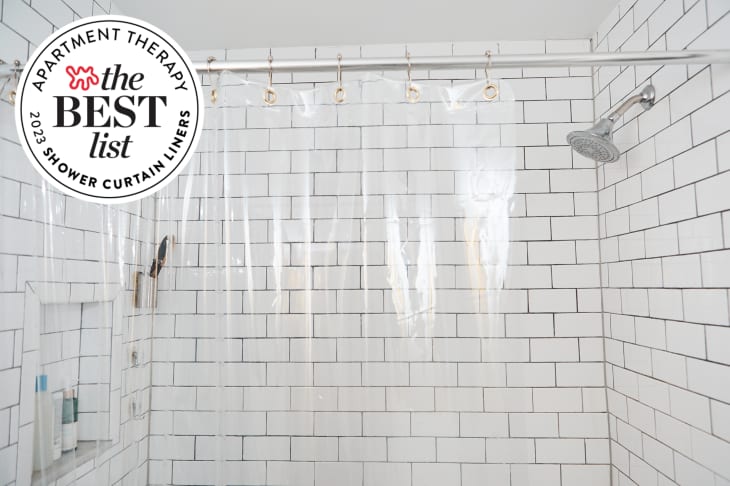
point(79, 344)
point(75, 350)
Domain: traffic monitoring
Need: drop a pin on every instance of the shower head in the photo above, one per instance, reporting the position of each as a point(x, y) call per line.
point(597, 142)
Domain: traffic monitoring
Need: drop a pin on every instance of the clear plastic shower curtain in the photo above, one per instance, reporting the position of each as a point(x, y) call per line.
point(67, 270)
point(324, 252)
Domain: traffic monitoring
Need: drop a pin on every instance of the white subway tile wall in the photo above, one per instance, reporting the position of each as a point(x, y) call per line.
point(662, 210)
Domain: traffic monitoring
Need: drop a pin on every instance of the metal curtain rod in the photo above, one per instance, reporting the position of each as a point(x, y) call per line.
point(463, 62)
point(472, 62)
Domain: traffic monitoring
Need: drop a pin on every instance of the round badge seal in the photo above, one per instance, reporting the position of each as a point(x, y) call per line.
point(109, 109)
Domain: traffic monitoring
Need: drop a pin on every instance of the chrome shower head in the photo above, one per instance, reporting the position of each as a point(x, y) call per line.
point(597, 142)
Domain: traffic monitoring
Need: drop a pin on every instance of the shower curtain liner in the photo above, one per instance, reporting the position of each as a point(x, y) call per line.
point(320, 249)
point(79, 325)
point(307, 233)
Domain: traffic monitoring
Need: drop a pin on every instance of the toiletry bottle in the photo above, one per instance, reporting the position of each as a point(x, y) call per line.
point(68, 419)
point(43, 425)
point(57, 430)
point(76, 420)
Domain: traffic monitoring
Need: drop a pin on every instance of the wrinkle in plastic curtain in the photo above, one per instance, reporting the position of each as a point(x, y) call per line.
point(321, 249)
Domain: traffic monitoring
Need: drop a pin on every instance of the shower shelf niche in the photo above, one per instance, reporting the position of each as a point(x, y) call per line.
point(74, 336)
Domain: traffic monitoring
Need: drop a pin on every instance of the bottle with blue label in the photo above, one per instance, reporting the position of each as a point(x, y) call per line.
point(43, 425)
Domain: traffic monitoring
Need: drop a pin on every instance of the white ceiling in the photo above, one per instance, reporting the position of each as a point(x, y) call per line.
point(208, 24)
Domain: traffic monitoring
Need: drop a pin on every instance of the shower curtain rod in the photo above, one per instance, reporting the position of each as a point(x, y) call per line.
point(459, 62)
point(473, 62)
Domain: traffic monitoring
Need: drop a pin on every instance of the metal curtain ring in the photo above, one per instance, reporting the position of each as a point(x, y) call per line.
point(340, 91)
point(413, 94)
point(340, 94)
point(213, 90)
point(490, 91)
point(270, 96)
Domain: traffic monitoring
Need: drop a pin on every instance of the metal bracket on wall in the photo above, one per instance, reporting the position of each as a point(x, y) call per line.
point(144, 291)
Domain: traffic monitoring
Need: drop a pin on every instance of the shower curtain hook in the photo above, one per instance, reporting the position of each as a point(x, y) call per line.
point(490, 90)
point(13, 92)
point(340, 91)
point(269, 93)
point(412, 92)
point(213, 91)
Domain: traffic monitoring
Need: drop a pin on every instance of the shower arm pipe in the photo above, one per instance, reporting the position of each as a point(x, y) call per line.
point(645, 98)
point(459, 62)
point(625, 107)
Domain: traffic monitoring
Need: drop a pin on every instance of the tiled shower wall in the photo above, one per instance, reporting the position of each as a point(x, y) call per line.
point(343, 399)
point(663, 238)
point(69, 250)
point(665, 234)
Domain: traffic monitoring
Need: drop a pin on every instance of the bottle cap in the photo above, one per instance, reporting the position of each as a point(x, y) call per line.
point(41, 383)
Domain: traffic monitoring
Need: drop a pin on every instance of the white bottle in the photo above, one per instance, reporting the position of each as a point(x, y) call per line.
point(69, 431)
point(57, 409)
point(43, 425)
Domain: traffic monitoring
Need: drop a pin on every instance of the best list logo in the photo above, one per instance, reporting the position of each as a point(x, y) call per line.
point(109, 109)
